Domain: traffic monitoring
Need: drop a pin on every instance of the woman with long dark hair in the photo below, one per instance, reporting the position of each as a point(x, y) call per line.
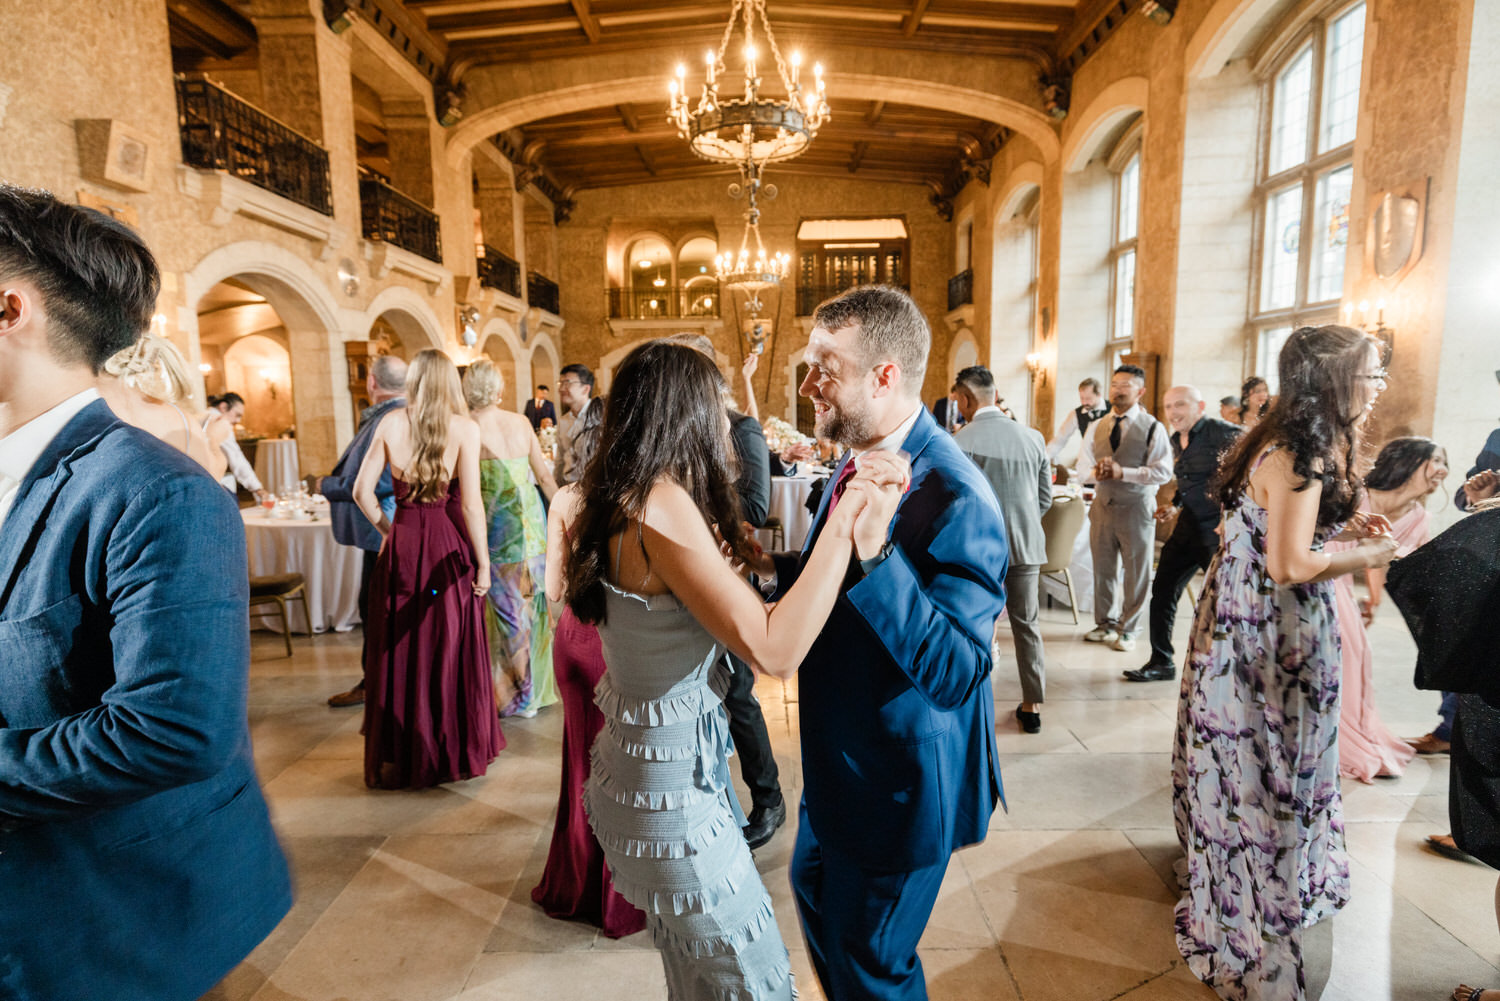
point(645, 567)
point(1255, 400)
point(1406, 472)
point(430, 703)
point(1254, 763)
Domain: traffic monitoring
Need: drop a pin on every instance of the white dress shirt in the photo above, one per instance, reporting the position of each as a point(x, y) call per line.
point(20, 449)
point(893, 441)
point(1158, 467)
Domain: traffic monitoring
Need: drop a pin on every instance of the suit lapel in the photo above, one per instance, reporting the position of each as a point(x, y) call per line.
point(823, 502)
point(35, 496)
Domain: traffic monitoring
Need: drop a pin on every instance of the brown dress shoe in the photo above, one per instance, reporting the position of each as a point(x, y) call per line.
point(353, 697)
point(1428, 744)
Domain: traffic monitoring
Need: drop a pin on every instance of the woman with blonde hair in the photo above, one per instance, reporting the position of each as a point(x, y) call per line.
point(429, 704)
point(520, 630)
point(147, 385)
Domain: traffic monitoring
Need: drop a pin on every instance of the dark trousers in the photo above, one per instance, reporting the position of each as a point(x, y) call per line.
point(752, 744)
point(366, 571)
point(1182, 555)
point(1446, 711)
point(862, 927)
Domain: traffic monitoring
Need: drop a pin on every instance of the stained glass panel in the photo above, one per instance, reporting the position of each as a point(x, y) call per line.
point(1283, 242)
point(1331, 241)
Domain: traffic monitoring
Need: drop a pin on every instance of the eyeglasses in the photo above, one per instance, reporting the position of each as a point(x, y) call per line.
point(1380, 376)
point(568, 382)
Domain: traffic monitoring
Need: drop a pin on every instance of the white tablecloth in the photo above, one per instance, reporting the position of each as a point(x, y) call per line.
point(306, 547)
point(276, 464)
point(789, 503)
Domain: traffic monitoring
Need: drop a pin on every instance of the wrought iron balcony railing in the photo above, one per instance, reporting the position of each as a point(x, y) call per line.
point(810, 296)
point(391, 217)
point(498, 271)
point(961, 289)
point(665, 303)
point(543, 293)
point(221, 132)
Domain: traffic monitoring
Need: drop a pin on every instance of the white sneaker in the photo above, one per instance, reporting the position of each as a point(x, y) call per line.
point(1100, 634)
point(1124, 642)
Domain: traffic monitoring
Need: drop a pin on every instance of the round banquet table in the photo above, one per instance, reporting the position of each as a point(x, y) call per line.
point(307, 547)
point(276, 464)
point(789, 503)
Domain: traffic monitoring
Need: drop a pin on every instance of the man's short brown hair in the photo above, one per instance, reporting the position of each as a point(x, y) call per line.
point(891, 327)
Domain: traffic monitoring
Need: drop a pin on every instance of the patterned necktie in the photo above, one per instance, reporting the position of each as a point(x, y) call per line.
point(1114, 434)
point(840, 484)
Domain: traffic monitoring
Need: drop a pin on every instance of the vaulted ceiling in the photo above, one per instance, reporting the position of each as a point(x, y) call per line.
point(633, 143)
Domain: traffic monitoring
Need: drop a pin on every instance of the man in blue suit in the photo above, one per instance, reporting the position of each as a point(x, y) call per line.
point(136, 856)
point(897, 709)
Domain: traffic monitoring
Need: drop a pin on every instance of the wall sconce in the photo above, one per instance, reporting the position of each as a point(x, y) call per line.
point(1376, 329)
point(270, 376)
point(205, 368)
point(1036, 368)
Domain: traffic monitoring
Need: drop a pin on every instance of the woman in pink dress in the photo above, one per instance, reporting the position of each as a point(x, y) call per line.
point(1405, 473)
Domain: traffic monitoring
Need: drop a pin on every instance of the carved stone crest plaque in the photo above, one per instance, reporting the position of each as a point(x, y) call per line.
point(1393, 244)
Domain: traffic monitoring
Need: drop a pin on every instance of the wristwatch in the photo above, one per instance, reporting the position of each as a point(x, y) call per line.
point(868, 566)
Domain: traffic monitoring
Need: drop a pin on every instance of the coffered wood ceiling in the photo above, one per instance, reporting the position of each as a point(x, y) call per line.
point(632, 143)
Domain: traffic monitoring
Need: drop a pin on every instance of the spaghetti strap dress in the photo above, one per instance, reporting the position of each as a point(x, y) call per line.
point(661, 803)
point(429, 702)
point(1255, 770)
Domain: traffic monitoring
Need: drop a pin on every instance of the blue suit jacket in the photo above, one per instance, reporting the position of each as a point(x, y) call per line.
point(136, 857)
point(897, 709)
point(350, 526)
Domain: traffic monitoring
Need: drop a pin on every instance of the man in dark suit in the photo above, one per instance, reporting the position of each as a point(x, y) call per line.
point(387, 388)
point(1198, 442)
point(539, 407)
point(136, 854)
point(897, 708)
point(1013, 459)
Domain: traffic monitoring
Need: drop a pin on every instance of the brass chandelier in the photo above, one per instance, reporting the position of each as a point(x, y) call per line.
point(752, 274)
point(750, 128)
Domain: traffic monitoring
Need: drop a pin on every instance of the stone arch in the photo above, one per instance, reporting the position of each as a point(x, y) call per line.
point(793, 362)
point(963, 351)
point(1115, 103)
point(308, 310)
point(542, 344)
point(1020, 183)
point(1224, 31)
point(479, 125)
point(626, 261)
point(410, 314)
point(499, 341)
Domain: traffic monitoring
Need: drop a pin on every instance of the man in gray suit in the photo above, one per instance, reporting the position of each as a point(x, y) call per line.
point(1013, 458)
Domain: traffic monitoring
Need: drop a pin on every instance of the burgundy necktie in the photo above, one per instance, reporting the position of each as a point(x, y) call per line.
point(840, 484)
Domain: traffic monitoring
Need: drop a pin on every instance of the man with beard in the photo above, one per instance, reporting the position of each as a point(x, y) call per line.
point(1129, 456)
point(897, 708)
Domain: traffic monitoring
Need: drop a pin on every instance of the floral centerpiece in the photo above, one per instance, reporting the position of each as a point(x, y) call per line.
point(780, 435)
point(548, 438)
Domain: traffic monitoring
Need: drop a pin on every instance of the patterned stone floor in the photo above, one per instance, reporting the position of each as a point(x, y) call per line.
point(425, 896)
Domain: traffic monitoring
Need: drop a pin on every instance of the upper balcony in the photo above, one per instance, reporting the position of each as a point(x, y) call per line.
point(222, 132)
point(390, 217)
point(699, 300)
point(810, 296)
point(497, 271)
point(543, 293)
point(961, 289)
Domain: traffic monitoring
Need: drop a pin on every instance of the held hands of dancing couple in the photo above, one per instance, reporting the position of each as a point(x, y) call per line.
point(682, 551)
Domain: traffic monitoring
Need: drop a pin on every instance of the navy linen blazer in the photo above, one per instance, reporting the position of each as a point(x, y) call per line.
point(899, 760)
point(137, 859)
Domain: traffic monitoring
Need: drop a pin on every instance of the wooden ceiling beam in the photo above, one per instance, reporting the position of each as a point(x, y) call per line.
point(877, 108)
point(628, 117)
point(586, 20)
point(646, 159)
point(914, 19)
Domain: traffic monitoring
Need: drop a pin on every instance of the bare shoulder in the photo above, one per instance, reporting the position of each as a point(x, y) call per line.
point(670, 510)
point(464, 428)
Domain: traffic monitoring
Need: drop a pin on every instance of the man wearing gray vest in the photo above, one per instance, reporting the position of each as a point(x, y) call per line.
point(1129, 455)
point(1013, 457)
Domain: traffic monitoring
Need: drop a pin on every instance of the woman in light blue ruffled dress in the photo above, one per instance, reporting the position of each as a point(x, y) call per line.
point(646, 567)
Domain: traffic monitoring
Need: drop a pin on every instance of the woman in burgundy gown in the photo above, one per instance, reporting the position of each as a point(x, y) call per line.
point(575, 884)
point(430, 705)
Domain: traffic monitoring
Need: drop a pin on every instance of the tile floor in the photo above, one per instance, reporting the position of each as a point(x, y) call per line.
point(424, 896)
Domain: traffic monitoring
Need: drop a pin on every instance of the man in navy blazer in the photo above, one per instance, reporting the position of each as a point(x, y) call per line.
point(897, 709)
point(136, 856)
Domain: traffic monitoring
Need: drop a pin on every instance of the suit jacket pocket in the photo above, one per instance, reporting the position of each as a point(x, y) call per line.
point(38, 684)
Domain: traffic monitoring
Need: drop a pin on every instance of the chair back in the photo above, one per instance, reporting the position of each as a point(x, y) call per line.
point(1061, 525)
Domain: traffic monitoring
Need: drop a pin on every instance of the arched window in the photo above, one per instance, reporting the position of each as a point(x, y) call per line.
point(1311, 102)
point(1126, 165)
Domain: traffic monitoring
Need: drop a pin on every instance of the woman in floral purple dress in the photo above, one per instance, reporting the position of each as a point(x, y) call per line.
point(1255, 762)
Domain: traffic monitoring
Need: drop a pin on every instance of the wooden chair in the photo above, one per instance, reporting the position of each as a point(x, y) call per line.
point(1061, 525)
point(773, 525)
point(279, 589)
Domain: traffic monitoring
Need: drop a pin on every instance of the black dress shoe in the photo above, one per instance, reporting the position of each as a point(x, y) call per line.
point(1030, 722)
point(1152, 672)
point(763, 823)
